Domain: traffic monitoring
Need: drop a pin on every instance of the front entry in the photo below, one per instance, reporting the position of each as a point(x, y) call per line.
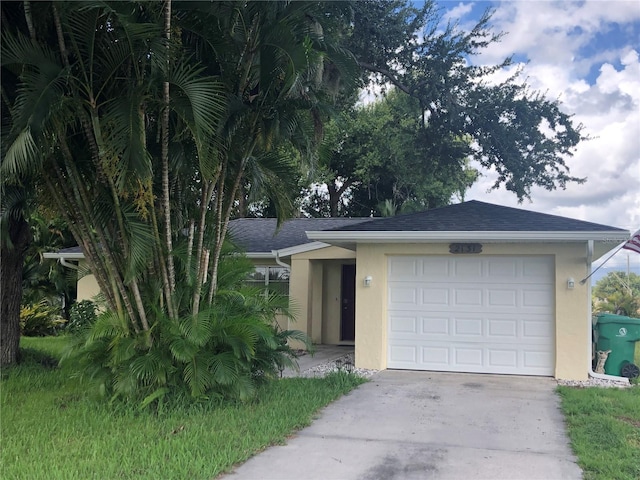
point(348, 300)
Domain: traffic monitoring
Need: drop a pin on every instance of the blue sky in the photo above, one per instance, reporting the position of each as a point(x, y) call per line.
point(585, 53)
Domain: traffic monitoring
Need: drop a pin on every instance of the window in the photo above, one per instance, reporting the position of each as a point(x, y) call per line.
point(274, 279)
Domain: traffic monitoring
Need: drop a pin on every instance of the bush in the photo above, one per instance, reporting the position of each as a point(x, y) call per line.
point(82, 315)
point(40, 319)
point(225, 351)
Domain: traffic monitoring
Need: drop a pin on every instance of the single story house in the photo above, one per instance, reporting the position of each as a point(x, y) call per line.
point(471, 287)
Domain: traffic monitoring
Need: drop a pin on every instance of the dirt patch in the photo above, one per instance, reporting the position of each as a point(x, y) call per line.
point(630, 421)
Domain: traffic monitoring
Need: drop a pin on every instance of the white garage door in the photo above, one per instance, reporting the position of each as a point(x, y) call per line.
point(484, 314)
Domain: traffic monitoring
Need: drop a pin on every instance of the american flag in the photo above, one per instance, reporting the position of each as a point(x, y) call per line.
point(633, 243)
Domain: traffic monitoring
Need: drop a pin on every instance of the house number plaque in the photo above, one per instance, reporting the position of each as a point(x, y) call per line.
point(465, 248)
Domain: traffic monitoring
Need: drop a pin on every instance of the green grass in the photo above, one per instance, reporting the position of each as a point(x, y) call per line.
point(51, 428)
point(604, 427)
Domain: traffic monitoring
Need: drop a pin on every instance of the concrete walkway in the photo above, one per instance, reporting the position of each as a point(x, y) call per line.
point(423, 425)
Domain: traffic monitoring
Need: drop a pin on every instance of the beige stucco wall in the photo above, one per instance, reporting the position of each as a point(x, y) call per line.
point(87, 284)
point(571, 306)
point(314, 286)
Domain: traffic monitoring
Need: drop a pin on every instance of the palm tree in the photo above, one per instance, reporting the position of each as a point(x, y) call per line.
point(143, 120)
point(87, 102)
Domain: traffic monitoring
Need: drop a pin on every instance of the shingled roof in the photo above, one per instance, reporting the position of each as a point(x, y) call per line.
point(261, 235)
point(475, 216)
point(256, 235)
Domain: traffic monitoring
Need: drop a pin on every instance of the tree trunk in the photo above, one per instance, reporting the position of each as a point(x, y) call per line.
point(11, 261)
point(334, 198)
point(166, 201)
point(335, 194)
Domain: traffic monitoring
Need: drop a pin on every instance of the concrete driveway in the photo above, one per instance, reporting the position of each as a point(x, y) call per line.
point(421, 425)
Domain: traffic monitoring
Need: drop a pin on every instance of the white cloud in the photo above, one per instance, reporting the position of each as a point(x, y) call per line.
point(554, 31)
point(453, 14)
point(553, 37)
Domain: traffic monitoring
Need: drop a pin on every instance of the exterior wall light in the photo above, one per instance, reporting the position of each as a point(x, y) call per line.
point(367, 281)
point(571, 283)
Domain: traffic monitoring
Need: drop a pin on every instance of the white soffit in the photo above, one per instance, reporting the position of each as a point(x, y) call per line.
point(305, 247)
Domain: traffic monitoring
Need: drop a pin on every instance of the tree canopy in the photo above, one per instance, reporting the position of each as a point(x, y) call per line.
point(381, 152)
point(618, 293)
point(519, 133)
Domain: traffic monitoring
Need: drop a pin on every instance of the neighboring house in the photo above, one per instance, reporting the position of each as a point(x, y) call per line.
point(472, 287)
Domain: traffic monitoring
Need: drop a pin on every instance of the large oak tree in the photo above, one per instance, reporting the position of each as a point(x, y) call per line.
point(505, 126)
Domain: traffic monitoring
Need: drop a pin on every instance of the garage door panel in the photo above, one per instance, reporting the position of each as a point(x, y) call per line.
point(434, 268)
point(484, 314)
point(502, 269)
point(403, 355)
point(502, 358)
point(461, 357)
point(503, 328)
point(468, 327)
point(473, 268)
point(438, 325)
point(467, 357)
point(404, 324)
point(404, 268)
point(438, 356)
point(433, 296)
point(403, 295)
point(466, 297)
point(418, 295)
point(501, 297)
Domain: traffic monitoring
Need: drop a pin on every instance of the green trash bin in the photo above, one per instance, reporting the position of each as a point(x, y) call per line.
point(618, 334)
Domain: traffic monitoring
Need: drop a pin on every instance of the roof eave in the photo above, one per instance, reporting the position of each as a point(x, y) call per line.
point(259, 255)
point(343, 237)
point(66, 256)
point(305, 247)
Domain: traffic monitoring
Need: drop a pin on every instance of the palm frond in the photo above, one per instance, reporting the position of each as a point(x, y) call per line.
point(22, 155)
point(223, 367)
point(197, 376)
point(140, 240)
point(123, 127)
point(108, 325)
point(150, 368)
point(197, 329)
point(198, 99)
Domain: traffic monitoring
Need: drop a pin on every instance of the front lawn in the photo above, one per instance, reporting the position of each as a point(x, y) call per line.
point(50, 428)
point(604, 427)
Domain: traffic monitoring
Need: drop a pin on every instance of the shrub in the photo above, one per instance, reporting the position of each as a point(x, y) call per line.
point(40, 319)
point(82, 315)
point(225, 351)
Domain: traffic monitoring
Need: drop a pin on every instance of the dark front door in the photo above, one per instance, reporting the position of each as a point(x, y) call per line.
point(348, 297)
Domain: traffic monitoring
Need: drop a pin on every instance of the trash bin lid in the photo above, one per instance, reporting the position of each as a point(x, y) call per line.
point(612, 318)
